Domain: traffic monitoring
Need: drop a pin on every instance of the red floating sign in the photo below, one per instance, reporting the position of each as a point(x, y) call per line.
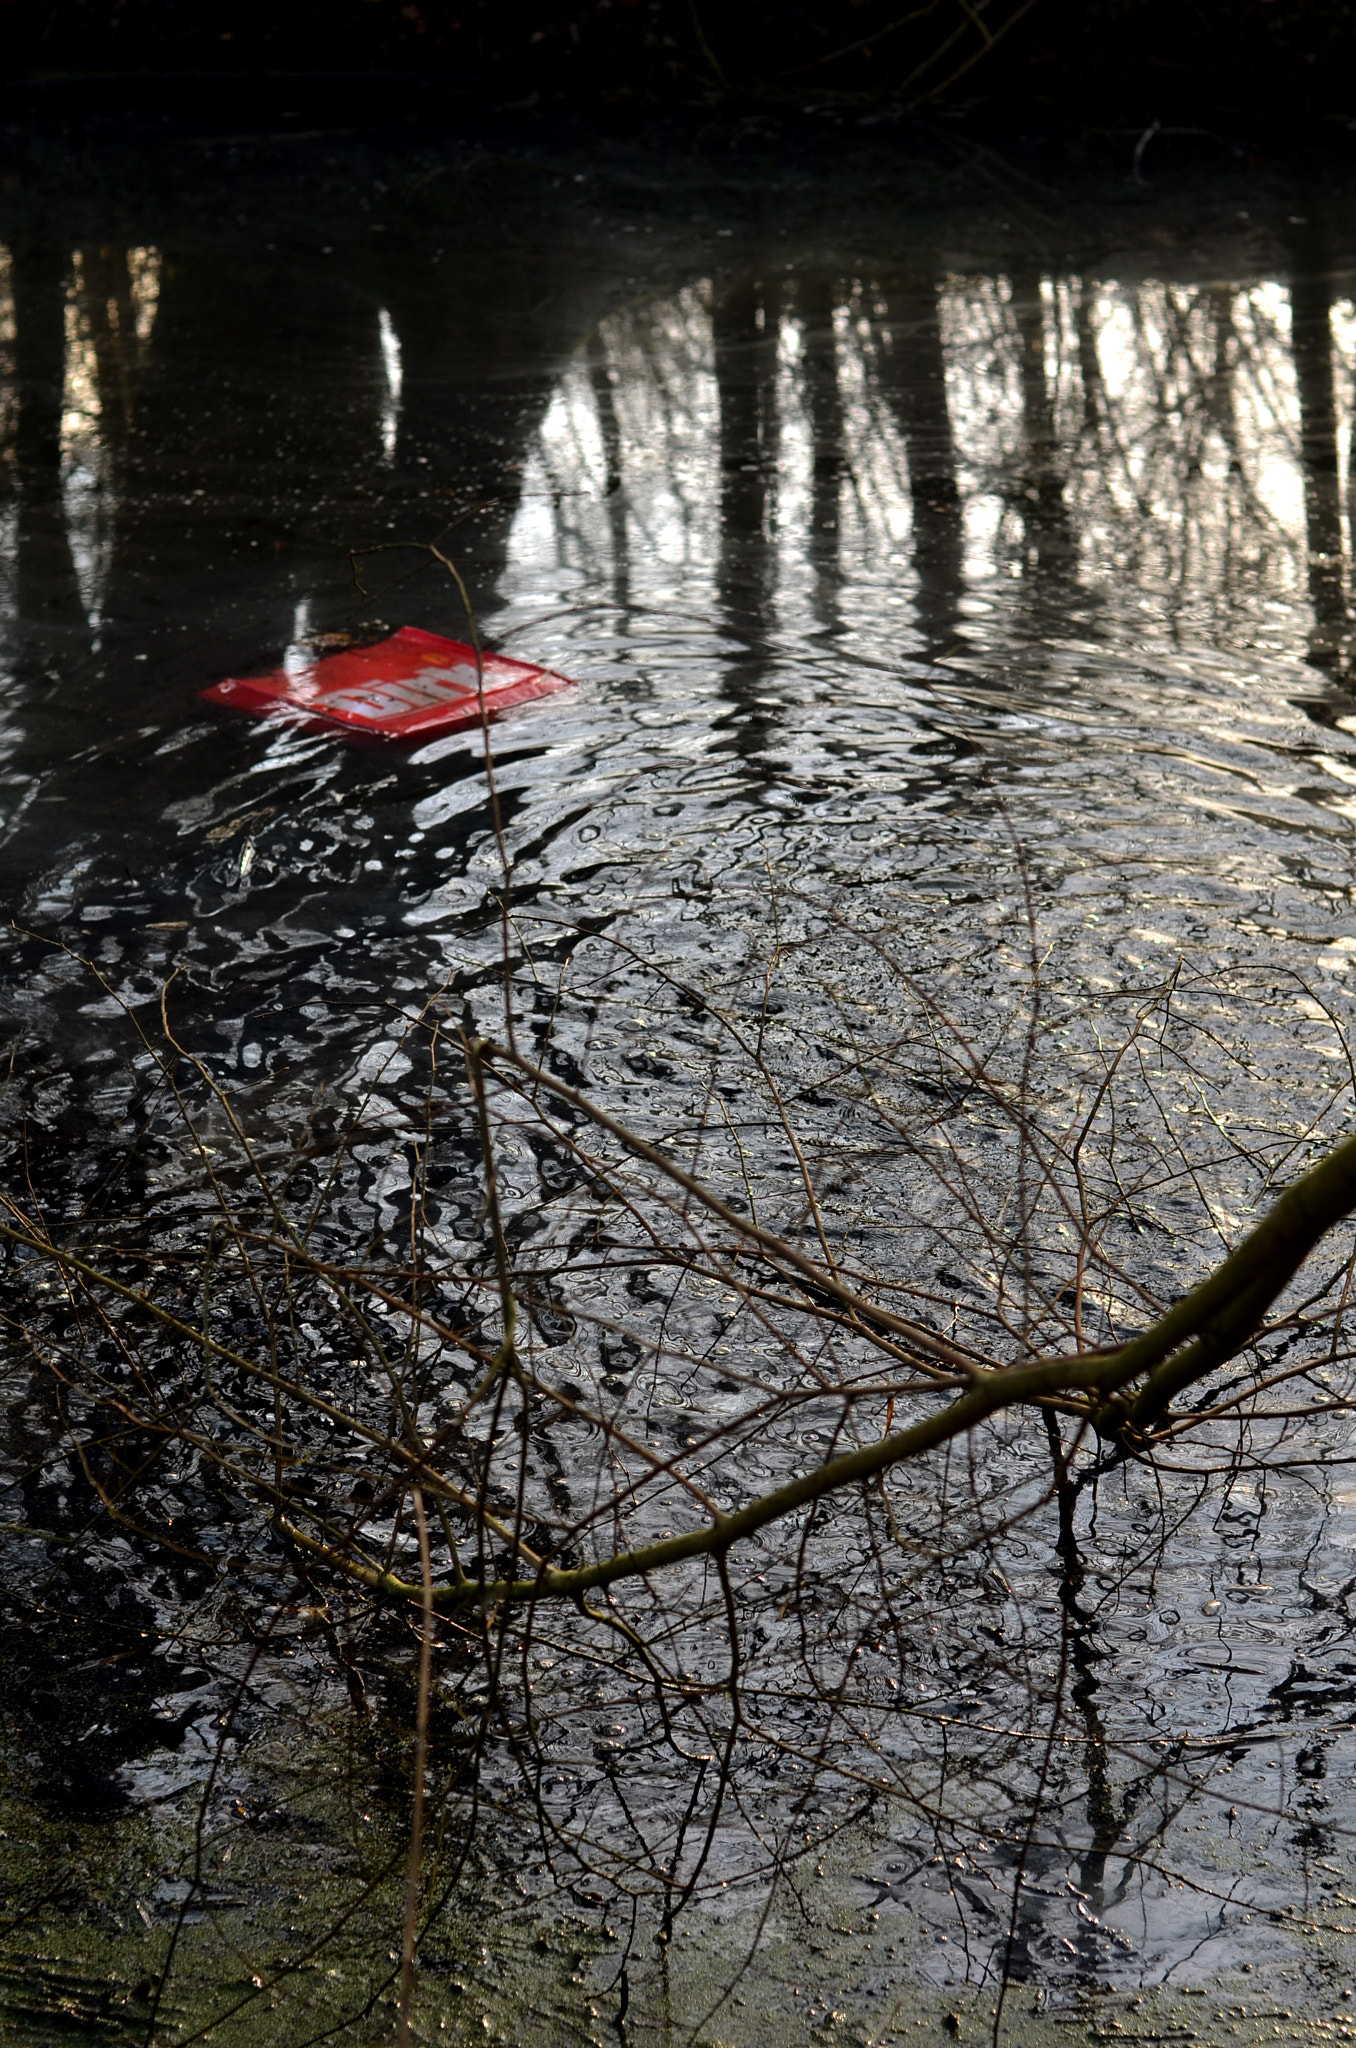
point(408, 687)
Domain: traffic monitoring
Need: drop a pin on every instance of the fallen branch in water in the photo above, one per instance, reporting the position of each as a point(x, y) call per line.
point(1122, 1394)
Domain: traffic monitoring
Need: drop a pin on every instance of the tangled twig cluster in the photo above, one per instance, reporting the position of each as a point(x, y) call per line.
point(705, 1478)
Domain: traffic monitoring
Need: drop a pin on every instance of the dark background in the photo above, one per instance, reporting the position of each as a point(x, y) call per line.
point(1207, 65)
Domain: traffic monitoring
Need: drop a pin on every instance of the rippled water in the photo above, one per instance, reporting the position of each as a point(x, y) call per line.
point(907, 555)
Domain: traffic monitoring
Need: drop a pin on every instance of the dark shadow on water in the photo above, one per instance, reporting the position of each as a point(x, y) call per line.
point(913, 378)
point(1312, 298)
point(744, 340)
point(47, 591)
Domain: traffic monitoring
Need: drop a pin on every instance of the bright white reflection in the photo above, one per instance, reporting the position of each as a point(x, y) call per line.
point(111, 302)
point(877, 510)
point(143, 271)
point(1160, 421)
point(300, 654)
point(84, 451)
point(984, 398)
point(625, 469)
point(394, 379)
point(1191, 479)
point(1133, 450)
point(1342, 318)
point(796, 465)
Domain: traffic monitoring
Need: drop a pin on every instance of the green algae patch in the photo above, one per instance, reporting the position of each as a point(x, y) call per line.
point(276, 1921)
point(270, 1916)
point(824, 1967)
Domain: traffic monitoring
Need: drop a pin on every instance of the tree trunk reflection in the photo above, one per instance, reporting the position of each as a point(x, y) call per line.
point(913, 377)
point(744, 332)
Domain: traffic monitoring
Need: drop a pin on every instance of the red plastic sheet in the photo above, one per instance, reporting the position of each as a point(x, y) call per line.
point(408, 687)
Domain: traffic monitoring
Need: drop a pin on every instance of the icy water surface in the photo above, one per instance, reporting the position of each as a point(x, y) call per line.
point(913, 556)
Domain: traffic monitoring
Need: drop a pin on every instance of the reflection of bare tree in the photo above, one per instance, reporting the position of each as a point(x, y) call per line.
point(1311, 342)
point(482, 347)
point(1092, 386)
point(232, 477)
point(1154, 434)
point(465, 421)
point(47, 590)
point(1108, 1809)
point(1219, 388)
point(602, 377)
point(824, 408)
point(1051, 539)
point(109, 316)
point(744, 324)
point(912, 371)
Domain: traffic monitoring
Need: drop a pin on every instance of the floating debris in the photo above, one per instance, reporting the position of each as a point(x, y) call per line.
point(411, 685)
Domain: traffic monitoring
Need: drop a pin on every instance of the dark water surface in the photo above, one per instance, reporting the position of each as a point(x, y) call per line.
point(887, 524)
